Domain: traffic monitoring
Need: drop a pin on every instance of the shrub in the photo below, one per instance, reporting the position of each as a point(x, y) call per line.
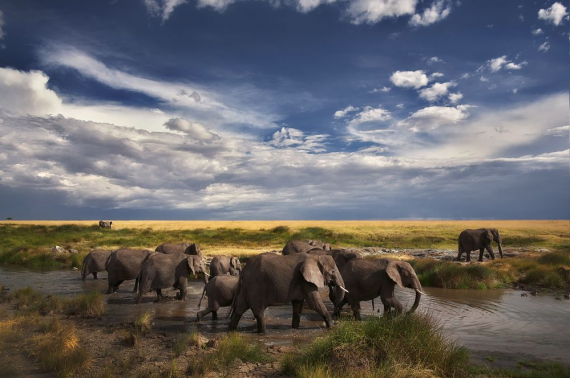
point(143, 323)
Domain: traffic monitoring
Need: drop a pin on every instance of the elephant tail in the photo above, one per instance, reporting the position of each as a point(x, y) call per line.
point(203, 294)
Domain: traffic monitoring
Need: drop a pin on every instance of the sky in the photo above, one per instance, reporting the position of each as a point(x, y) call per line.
point(284, 109)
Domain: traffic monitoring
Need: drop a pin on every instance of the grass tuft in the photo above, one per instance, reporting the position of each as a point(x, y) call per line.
point(143, 323)
point(231, 348)
point(404, 346)
point(30, 301)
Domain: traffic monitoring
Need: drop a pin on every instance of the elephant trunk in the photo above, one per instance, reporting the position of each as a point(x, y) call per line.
point(205, 276)
point(339, 289)
point(416, 302)
point(500, 250)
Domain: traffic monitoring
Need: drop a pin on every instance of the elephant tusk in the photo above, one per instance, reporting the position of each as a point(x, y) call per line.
point(343, 289)
point(206, 274)
point(421, 292)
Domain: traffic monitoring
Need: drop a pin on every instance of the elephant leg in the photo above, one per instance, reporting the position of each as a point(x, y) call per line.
point(214, 315)
point(356, 311)
point(459, 252)
point(110, 289)
point(491, 252)
point(297, 309)
point(338, 307)
point(136, 284)
point(95, 275)
point(388, 299)
point(260, 317)
point(481, 250)
point(241, 307)
point(183, 286)
point(468, 258)
point(314, 301)
point(158, 295)
point(331, 294)
point(203, 313)
point(117, 284)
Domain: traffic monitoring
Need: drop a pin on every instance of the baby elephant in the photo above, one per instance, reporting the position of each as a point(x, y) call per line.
point(220, 291)
point(162, 271)
point(94, 262)
point(222, 265)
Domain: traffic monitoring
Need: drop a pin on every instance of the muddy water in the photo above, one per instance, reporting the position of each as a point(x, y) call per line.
point(487, 322)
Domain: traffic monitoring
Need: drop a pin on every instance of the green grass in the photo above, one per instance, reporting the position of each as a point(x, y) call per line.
point(524, 370)
point(231, 347)
point(29, 301)
point(453, 276)
point(404, 346)
point(143, 323)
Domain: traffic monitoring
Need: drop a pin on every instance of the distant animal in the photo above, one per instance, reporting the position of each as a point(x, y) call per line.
point(160, 271)
point(304, 246)
point(479, 239)
point(269, 280)
point(173, 248)
point(368, 279)
point(220, 291)
point(125, 264)
point(105, 224)
point(224, 265)
point(94, 262)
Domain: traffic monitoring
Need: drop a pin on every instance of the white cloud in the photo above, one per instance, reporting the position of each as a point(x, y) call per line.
point(370, 114)
point(162, 8)
point(193, 130)
point(465, 76)
point(435, 75)
point(400, 106)
point(27, 93)
point(537, 31)
point(544, 47)
point(434, 59)
point(436, 91)
point(514, 66)
point(433, 117)
point(305, 6)
point(439, 10)
point(343, 113)
point(498, 63)
point(555, 14)
point(373, 11)
point(289, 137)
point(483, 78)
point(219, 5)
point(559, 131)
point(454, 98)
point(409, 79)
point(382, 89)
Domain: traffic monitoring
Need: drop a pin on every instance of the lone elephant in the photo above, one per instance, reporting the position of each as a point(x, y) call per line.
point(173, 248)
point(223, 265)
point(161, 271)
point(368, 279)
point(125, 264)
point(94, 262)
point(105, 224)
point(220, 291)
point(270, 280)
point(479, 239)
point(304, 246)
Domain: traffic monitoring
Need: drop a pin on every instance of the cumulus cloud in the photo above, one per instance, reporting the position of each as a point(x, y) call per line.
point(370, 114)
point(544, 47)
point(162, 8)
point(439, 10)
point(305, 6)
point(27, 92)
point(537, 31)
point(501, 62)
point(434, 59)
point(454, 98)
point(193, 130)
point(432, 117)
point(435, 75)
point(554, 15)
point(409, 79)
point(219, 5)
point(436, 91)
point(343, 113)
point(373, 11)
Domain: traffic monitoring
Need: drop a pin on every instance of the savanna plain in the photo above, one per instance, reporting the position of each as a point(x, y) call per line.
point(54, 324)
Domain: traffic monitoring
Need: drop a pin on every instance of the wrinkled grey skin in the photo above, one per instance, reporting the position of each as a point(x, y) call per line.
point(105, 224)
point(220, 290)
point(304, 246)
point(224, 265)
point(270, 280)
point(94, 262)
point(125, 264)
point(173, 248)
point(368, 279)
point(340, 257)
point(161, 271)
point(479, 239)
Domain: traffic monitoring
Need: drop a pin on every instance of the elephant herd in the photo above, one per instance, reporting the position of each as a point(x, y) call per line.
point(271, 279)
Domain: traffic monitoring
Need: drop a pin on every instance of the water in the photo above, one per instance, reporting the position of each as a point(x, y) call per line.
point(487, 322)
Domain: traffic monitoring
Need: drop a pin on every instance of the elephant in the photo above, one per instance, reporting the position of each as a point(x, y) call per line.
point(186, 248)
point(125, 264)
point(220, 291)
point(303, 246)
point(367, 279)
point(161, 271)
point(224, 265)
point(105, 224)
point(270, 280)
point(94, 262)
point(340, 257)
point(479, 239)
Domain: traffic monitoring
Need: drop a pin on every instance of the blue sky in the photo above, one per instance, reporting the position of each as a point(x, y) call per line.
point(296, 109)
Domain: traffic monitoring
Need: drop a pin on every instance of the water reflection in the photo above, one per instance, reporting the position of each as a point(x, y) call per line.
point(482, 320)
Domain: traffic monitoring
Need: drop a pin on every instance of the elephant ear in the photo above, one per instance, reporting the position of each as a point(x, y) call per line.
point(393, 271)
point(190, 261)
point(312, 272)
point(488, 234)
